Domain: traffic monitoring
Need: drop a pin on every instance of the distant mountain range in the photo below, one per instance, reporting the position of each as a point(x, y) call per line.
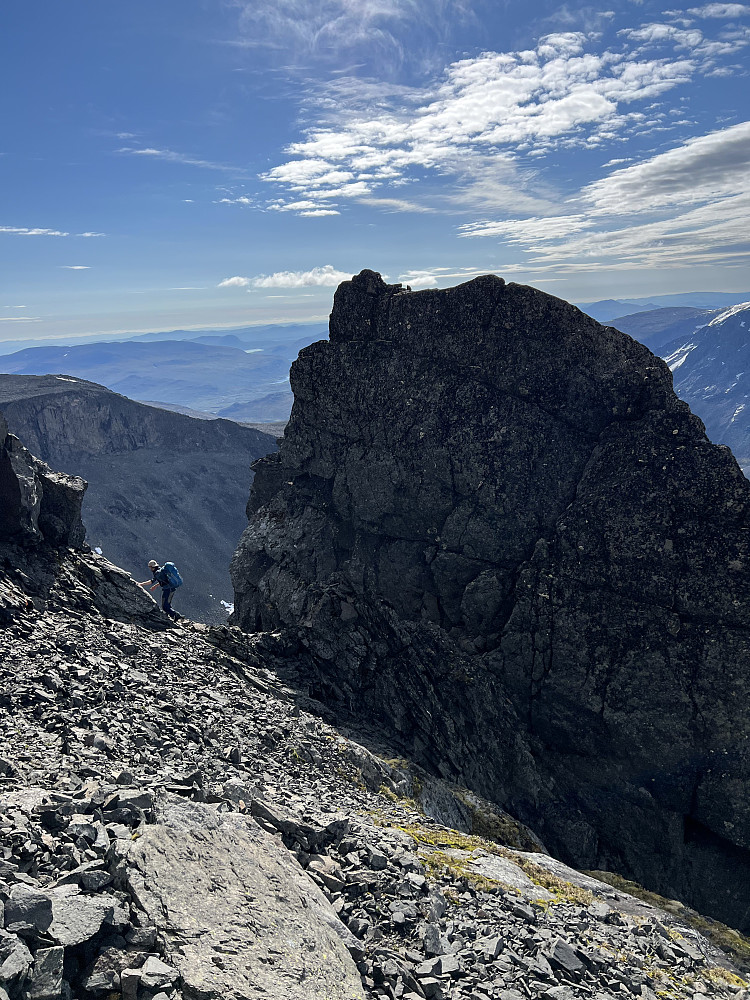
point(243, 336)
point(218, 374)
point(162, 485)
point(607, 310)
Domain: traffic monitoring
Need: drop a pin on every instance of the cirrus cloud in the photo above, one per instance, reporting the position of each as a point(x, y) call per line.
point(682, 208)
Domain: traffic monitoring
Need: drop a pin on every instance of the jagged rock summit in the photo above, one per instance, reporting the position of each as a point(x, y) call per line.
point(496, 529)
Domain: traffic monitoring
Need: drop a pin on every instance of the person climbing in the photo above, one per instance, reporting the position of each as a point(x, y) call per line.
point(168, 578)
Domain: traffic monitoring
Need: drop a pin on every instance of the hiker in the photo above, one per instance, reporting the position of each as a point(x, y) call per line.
point(168, 578)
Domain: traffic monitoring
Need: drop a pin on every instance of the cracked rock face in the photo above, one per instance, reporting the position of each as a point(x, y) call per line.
point(494, 526)
point(36, 504)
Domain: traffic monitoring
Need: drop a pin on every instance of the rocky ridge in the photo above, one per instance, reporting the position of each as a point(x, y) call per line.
point(179, 818)
point(495, 529)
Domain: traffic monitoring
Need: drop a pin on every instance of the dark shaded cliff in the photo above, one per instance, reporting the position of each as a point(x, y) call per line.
point(161, 485)
point(496, 528)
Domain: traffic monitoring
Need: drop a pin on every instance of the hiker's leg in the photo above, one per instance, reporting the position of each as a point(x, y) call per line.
point(166, 603)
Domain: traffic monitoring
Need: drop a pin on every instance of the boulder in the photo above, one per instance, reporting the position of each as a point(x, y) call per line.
point(238, 916)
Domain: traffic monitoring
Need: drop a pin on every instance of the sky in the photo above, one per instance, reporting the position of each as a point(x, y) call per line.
point(216, 163)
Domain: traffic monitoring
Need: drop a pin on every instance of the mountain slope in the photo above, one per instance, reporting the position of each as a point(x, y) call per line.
point(711, 371)
point(659, 327)
point(161, 485)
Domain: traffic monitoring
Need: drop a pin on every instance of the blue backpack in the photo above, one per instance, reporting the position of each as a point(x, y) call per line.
point(172, 574)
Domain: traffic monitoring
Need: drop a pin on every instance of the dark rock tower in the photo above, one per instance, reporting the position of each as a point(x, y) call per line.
point(497, 530)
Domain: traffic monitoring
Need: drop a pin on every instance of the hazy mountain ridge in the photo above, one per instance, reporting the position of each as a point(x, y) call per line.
point(245, 372)
point(606, 310)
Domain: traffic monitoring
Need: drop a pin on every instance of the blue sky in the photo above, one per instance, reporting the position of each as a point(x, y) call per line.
point(214, 163)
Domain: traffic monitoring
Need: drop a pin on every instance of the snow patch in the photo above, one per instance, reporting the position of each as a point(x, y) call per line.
point(61, 378)
point(737, 412)
point(678, 358)
point(229, 608)
point(729, 313)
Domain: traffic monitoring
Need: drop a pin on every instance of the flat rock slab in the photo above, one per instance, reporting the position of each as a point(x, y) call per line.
point(240, 918)
point(511, 875)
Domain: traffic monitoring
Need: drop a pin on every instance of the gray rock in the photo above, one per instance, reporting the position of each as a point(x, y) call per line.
point(272, 932)
point(16, 961)
point(564, 957)
point(47, 977)
point(28, 911)
point(78, 918)
point(130, 980)
point(156, 974)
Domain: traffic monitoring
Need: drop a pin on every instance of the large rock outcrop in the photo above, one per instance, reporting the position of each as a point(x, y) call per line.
point(496, 528)
point(36, 504)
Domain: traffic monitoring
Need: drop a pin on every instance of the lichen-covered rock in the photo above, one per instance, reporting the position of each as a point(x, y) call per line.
point(494, 526)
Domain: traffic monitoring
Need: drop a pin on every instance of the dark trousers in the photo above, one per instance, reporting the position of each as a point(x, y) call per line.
point(166, 601)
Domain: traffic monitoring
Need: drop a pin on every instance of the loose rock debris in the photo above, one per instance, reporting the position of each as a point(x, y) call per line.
point(166, 807)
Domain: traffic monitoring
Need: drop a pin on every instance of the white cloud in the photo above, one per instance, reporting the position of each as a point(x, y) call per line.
point(20, 319)
point(396, 205)
point(720, 10)
point(685, 207)
point(23, 231)
point(326, 276)
point(419, 279)
point(528, 231)
point(75, 267)
point(172, 157)
point(235, 282)
point(89, 235)
point(702, 169)
point(479, 118)
point(242, 200)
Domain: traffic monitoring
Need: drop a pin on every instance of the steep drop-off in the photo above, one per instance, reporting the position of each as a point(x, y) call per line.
point(498, 530)
point(161, 485)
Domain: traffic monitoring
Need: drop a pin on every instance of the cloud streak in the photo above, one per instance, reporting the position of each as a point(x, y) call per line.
point(24, 231)
point(170, 156)
point(687, 206)
point(322, 277)
point(381, 37)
